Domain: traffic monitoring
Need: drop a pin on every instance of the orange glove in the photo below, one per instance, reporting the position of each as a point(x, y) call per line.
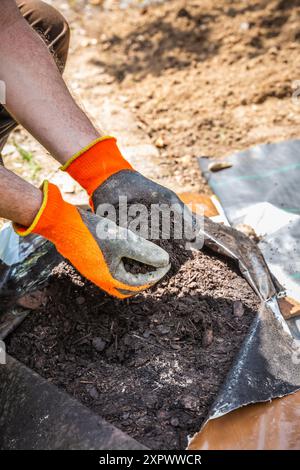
point(96, 246)
point(104, 173)
point(96, 163)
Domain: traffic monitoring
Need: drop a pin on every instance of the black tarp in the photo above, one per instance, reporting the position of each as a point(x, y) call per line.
point(261, 189)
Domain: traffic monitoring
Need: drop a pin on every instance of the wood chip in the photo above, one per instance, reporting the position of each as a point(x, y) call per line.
point(238, 308)
point(218, 166)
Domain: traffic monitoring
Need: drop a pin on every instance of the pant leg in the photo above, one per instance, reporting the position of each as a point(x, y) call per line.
point(54, 30)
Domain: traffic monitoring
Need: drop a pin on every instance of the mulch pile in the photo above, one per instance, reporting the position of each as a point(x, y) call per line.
point(151, 365)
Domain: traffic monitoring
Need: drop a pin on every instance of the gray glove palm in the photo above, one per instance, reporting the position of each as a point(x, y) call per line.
point(118, 244)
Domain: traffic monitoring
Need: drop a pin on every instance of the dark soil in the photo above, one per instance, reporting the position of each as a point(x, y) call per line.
point(168, 242)
point(151, 365)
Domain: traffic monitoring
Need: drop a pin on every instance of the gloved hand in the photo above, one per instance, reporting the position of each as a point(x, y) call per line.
point(103, 172)
point(96, 246)
point(106, 175)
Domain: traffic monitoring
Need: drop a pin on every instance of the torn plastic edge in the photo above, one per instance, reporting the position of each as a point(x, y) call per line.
point(257, 351)
point(246, 428)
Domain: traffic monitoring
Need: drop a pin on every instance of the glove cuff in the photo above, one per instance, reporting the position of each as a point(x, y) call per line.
point(52, 209)
point(95, 163)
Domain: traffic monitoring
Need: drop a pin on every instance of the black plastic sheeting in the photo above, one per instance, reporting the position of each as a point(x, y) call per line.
point(264, 180)
point(267, 366)
point(39, 257)
point(37, 415)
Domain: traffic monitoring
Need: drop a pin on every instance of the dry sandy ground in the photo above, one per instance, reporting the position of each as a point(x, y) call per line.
point(206, 77)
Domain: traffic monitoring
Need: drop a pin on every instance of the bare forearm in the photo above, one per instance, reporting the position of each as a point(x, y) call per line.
point(19, 200)
point(37, 96)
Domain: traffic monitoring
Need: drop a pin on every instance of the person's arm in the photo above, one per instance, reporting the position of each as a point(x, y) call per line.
point(39, 100)
point(37, 96)
point(19, 200)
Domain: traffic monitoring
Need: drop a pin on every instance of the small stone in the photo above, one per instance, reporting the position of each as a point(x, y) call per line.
point(80, 300)
point(186, 160)
point(231, 12)
point(96, 2)
point(98, 343)
point(273, 50)
point(188, 402)
point(160, 143)
point(238, 308)
point(244, 26)
point(184, 13)
point(208, 338)
point(93, 392)
point(163, 330)
point(162, 414)
point(175, 422)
